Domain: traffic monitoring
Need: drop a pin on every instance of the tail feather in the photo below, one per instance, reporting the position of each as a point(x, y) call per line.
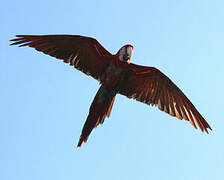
point(110, 107)
point(100, 108)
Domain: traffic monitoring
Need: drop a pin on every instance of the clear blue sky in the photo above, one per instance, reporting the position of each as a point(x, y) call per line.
point(44, 102)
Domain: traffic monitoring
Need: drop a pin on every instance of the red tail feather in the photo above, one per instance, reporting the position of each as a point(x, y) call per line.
point(100, 108)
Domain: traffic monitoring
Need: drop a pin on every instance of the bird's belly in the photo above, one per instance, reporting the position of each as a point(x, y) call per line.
point(112, 76)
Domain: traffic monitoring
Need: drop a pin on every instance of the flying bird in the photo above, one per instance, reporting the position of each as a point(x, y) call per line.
point(116, 74)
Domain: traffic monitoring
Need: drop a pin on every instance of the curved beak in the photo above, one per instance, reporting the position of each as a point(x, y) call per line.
point(126, 57)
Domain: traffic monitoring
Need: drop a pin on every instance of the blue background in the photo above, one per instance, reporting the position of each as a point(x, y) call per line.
point(44, 102)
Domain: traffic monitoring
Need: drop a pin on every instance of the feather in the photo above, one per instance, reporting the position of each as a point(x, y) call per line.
point(93, 57)
point(160, 90)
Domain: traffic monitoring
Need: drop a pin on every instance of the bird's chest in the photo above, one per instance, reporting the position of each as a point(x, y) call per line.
point(113, 76)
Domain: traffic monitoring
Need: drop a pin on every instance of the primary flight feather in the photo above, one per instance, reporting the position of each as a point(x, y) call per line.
point(116, 74)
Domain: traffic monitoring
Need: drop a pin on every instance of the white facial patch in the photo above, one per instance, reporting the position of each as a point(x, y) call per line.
point(129, 51)
point(121, 54)
point(123, 50)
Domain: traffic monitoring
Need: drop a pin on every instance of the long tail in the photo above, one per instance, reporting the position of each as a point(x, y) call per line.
point(99, 109)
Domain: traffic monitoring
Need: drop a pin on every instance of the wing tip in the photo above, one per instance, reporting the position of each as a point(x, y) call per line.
point(17, 40)
point(205, 127)
point(21, 39)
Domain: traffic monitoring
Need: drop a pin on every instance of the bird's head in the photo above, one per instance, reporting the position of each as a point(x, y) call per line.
point(125, 53)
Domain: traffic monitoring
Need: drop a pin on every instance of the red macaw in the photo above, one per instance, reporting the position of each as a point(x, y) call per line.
point(116, 74)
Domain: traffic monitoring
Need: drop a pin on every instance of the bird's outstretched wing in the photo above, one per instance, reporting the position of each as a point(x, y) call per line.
point(150, 86)
point(84, 53)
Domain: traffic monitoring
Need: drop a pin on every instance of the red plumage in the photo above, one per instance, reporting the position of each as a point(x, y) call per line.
point(99, 109)
point(117, 75)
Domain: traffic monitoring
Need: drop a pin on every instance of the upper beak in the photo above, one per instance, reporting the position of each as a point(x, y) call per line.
point(126, 57)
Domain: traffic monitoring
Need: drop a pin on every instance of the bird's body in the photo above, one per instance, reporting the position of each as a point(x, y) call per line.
point(117, 75)
point(112, 80)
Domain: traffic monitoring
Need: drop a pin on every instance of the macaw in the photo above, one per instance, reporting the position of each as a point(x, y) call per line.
point(116, 74)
